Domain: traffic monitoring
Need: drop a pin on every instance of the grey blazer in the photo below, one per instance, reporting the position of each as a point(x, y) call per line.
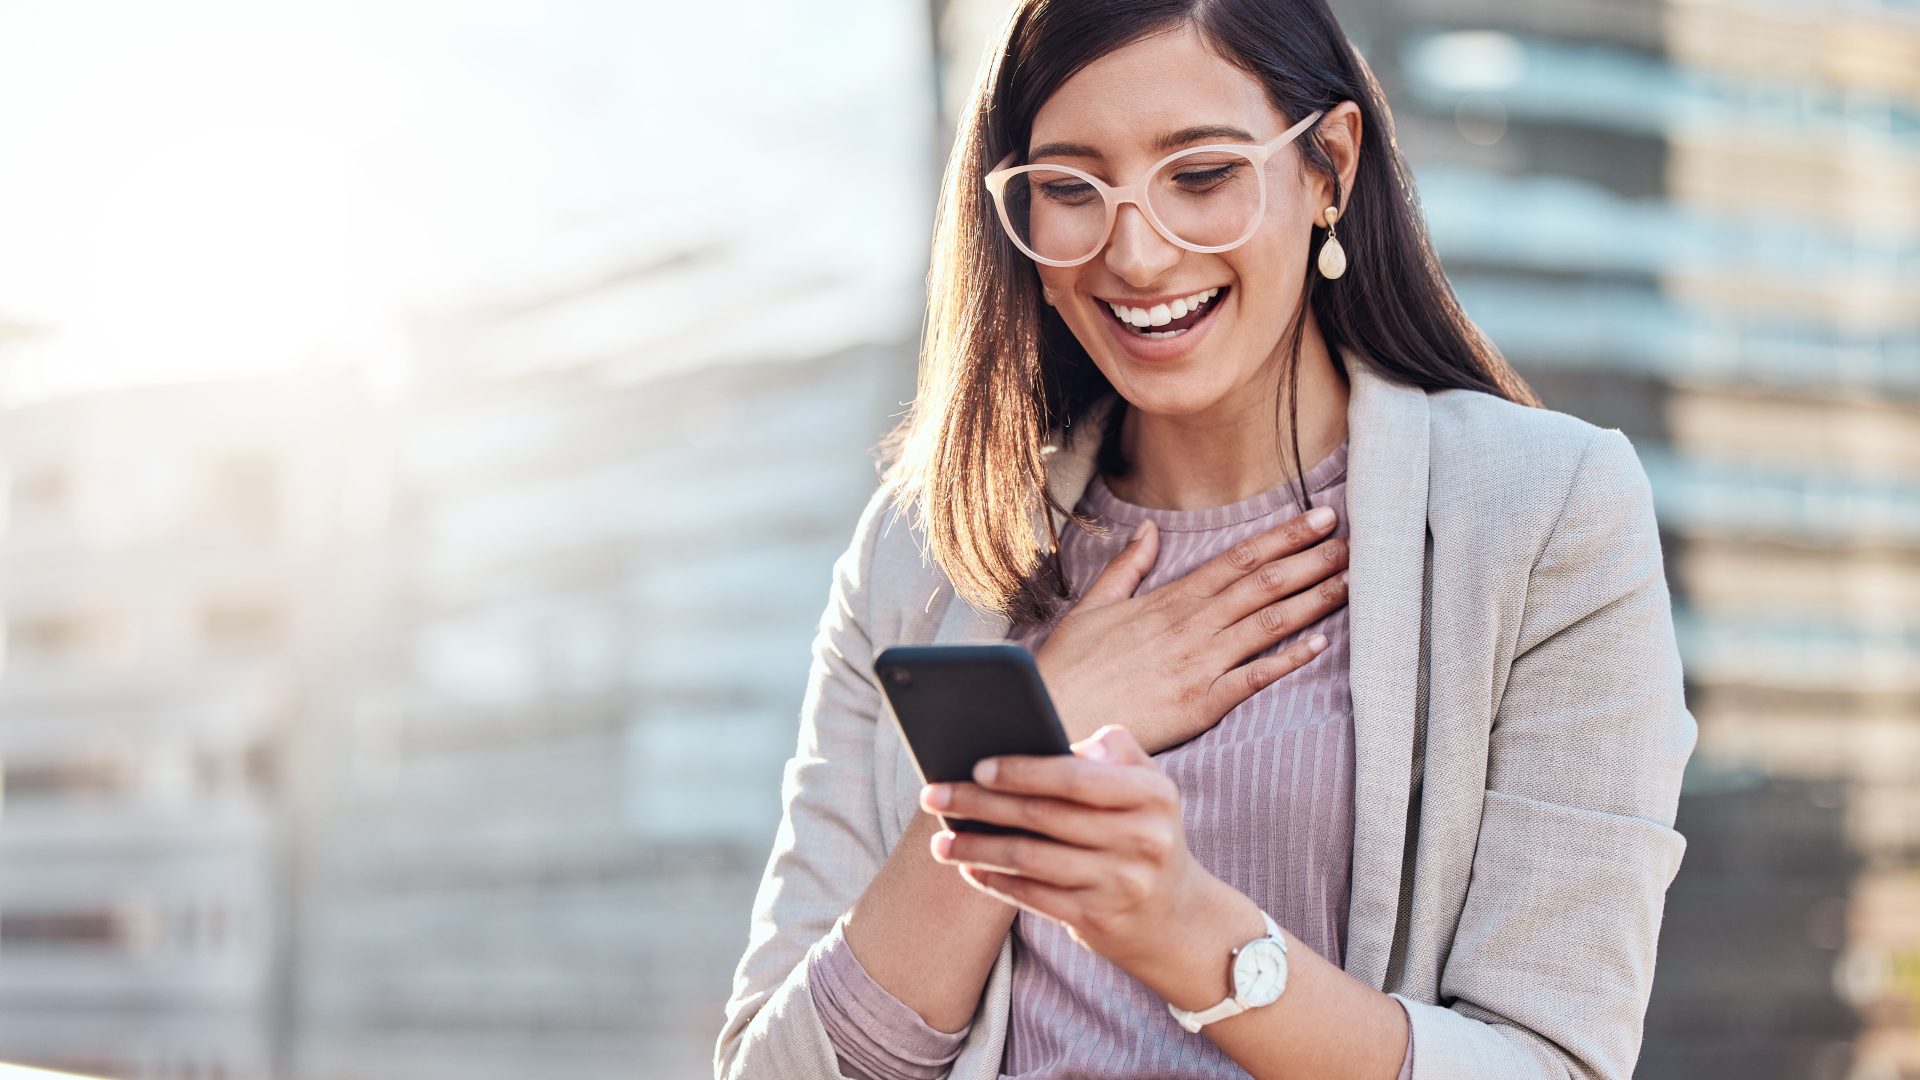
point(1520, 724)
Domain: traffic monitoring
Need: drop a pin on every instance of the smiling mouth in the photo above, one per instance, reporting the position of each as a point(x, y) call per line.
point(1176, 327)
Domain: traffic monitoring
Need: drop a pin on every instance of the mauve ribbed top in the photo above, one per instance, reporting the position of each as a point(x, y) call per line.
point(1267, 796)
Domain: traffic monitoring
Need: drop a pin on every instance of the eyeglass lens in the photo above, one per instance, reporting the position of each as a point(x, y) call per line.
point(1205, 199)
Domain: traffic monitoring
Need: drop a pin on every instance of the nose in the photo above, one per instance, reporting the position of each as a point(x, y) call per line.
point(1135, 249)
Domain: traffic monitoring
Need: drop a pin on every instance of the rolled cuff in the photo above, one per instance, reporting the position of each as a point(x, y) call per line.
point(876, 1035)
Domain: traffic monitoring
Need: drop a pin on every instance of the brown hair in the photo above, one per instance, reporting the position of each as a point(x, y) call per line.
point(999, 369)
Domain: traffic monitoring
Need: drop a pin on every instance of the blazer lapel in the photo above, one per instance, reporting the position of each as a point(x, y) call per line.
point(1387, 433)
point(1387, 439)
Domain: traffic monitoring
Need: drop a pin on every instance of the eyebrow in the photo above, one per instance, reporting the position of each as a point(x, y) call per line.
point(1164, 144)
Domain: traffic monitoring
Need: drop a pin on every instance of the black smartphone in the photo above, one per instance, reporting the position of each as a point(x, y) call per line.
point(957, 704)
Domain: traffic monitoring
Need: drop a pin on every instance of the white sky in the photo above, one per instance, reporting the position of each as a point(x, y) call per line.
point(211, 187)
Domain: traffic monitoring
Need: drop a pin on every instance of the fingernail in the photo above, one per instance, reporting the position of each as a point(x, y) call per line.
point(942, 844)
point(1343, 577)
point(983, 771)
point(1099, 751)
point(939, 795)
point(1317, 642)
point(1320, 517)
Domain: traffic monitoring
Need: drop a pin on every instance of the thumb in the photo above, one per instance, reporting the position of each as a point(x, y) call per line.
point(1113, 743)
point(1122, 576)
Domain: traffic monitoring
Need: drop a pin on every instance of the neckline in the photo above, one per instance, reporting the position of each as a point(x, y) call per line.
point(1102, 501)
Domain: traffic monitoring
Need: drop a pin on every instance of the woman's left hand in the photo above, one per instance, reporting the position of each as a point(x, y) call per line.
point(1115, 869)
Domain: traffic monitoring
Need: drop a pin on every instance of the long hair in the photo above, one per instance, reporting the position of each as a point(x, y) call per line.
point(999, 368)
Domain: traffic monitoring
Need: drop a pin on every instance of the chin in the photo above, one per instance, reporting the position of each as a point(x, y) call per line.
point(1172, 396)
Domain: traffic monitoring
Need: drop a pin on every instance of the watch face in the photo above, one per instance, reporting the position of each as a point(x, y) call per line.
point(1260, 972)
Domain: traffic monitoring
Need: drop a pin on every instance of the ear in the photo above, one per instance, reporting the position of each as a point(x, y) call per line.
point(1339, 133)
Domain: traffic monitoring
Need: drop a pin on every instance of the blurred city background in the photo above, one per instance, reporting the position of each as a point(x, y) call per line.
point(426, 430)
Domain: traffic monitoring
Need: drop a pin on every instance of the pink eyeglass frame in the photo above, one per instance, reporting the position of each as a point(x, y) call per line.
point(996, 181)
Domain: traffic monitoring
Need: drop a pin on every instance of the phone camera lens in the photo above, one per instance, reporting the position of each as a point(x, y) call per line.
point(899, 677)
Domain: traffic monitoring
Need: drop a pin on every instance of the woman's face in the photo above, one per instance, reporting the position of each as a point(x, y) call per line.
point(1119, 105)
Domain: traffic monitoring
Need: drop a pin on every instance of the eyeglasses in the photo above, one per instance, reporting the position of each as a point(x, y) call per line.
point(1204, 198)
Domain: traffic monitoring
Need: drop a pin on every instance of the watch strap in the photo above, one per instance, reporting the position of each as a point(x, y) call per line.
point(1194, 1021)
point(1232, 1005)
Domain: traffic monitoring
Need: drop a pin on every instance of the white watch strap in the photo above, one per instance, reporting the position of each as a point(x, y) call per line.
point(1194, 1021)
point(1232, 1006)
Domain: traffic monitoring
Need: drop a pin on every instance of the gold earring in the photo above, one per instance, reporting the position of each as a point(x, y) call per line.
point(1333, 257)
point(1047, 295)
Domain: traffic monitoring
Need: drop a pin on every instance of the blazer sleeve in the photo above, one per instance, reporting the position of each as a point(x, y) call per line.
point(828, 846)
point(1551, 968)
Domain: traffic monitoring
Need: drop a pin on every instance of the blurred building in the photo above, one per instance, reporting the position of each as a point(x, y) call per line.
point(619, 482)
point(441, 735)
point(554, 779)
point(163, 562)
point(1699, 222)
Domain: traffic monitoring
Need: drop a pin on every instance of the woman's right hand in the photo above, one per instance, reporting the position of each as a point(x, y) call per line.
point(1168, 664)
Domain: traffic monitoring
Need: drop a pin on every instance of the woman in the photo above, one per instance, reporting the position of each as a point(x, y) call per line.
point(1178, 257)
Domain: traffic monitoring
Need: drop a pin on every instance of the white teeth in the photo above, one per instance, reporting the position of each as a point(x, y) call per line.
point(1162, 314)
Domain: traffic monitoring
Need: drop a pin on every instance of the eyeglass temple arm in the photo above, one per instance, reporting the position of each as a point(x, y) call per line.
point(1304, 123)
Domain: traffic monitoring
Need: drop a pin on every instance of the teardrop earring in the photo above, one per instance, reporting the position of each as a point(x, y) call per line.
point(1333, 257)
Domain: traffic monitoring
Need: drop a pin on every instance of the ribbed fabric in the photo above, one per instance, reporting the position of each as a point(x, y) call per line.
point(1267, 796)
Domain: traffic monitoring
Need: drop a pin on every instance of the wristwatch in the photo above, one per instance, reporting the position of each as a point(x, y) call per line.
point(1259, 974)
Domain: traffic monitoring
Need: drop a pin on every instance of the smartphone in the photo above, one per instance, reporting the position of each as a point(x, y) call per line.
point(957, 704)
